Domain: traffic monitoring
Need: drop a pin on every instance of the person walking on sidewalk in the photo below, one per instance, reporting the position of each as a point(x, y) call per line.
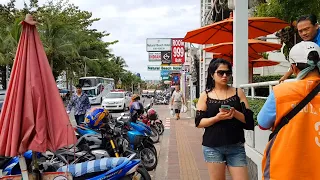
point(177, 100)
point(80, 102)
point(308, 29)
point(219, 111)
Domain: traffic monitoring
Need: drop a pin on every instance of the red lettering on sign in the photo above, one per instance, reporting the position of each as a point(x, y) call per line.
point(155, 56)
point(178, 51)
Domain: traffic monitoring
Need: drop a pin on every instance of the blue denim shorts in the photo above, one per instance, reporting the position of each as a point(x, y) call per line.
point(233, 155)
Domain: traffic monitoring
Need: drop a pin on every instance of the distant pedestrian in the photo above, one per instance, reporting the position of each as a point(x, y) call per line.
point(80, 102)
point(177, 100)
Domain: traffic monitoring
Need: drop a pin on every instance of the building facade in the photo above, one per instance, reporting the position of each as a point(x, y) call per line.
point(217, 10)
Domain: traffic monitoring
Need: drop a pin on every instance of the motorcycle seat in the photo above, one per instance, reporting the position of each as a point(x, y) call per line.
point(99, 165)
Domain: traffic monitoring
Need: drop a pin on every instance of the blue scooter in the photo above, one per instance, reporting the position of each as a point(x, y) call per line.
point(108, 168)
point(11, 166)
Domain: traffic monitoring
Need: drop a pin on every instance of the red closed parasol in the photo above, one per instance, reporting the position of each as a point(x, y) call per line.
point(33, 116)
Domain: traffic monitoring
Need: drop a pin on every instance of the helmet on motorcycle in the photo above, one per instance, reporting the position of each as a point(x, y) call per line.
point(152, 114)
point(95, 119)
point(135, 97)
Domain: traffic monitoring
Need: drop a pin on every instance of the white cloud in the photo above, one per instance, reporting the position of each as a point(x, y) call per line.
point(132, 21)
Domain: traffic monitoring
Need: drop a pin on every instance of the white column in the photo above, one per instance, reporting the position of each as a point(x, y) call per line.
point(240, 43)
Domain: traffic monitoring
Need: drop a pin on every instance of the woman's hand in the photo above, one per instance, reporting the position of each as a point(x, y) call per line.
point(225, 114)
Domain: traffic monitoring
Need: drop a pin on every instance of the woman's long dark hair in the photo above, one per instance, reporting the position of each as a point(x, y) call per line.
point(213, 66)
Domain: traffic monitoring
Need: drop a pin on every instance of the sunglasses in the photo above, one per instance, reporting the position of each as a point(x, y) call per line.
point(224, 72)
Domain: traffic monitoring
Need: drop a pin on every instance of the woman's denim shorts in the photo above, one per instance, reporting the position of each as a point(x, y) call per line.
point(233, 155)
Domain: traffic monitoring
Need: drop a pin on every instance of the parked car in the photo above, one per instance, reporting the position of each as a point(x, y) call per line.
point(144, 93)
point(116, 101)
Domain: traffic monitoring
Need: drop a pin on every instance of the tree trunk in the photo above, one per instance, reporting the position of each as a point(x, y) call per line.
point(51, 64)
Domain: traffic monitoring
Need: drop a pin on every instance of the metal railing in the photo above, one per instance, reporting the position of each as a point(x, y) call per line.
point(252, 86)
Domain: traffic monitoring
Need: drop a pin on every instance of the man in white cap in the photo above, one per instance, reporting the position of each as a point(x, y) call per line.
point(294, 150)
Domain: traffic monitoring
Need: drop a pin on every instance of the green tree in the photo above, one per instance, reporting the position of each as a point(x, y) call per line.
point(119, 61)
point(287, 10)
point(68, 39)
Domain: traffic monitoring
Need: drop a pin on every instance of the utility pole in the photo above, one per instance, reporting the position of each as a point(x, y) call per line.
point(85, 68)
point(7, 75)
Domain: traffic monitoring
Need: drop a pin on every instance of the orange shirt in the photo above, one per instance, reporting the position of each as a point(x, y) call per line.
point(294, 154)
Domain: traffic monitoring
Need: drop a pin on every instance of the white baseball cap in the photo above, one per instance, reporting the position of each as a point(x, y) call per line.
point(300, 52)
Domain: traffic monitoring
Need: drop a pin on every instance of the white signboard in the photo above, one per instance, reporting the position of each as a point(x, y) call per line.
point(158, 44)
point(154, 56)
point(154, 68)
point(168, 68)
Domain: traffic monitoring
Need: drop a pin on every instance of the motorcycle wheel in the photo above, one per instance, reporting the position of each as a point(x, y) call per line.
point(154, 134)
point(160, 128)
point(148, 144)
point(149, 159)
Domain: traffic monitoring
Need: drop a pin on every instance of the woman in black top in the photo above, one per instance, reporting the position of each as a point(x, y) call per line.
point(223, 139)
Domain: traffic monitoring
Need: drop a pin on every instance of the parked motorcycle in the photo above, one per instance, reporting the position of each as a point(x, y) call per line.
point(134, 137)
point(153, 119)
point(126, 139)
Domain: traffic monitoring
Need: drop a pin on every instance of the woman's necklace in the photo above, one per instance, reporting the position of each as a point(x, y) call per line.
point(218, 96)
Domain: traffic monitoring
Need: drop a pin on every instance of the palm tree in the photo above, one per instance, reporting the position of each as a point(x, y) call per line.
point(8, 44)
point(120, 61)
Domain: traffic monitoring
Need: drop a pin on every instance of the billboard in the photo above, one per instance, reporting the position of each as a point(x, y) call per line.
point(178, 51)
point(171, 68)
point(158, 44)
point(164, 73)
point(175, 80)
point(167, 68)
point(165, 78)
point(154, 68)
point(154, 56)
point(166, 57)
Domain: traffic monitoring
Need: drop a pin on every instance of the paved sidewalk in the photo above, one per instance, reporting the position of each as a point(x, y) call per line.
point(185, 158)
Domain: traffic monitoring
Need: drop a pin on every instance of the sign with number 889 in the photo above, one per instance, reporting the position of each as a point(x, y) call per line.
point(178, 52)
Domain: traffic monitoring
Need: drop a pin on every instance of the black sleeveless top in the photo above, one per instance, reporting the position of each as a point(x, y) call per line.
point(224, 132)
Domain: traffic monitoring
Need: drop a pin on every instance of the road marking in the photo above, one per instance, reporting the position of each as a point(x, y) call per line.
point(167, 124)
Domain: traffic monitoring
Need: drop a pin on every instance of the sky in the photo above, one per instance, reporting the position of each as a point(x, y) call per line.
point(133, 21)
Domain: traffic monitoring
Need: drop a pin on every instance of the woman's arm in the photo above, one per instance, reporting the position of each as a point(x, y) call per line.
point(201, 120)
point(239, 115)
point(172, 99)
point(183, 99)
